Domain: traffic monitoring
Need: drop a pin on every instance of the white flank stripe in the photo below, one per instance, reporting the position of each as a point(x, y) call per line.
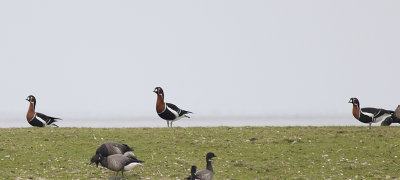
point(368, 114)
point(131, 166)
point(41, 120)
point(174, 112)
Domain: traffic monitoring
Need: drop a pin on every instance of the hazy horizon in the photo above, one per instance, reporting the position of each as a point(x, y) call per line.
point(216, 58)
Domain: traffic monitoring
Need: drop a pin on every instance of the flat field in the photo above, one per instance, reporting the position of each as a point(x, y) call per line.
point(242, 152)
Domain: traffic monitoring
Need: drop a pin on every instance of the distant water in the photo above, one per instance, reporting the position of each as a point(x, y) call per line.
point(196, 122)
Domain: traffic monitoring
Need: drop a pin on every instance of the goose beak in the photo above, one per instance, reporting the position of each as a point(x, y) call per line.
point(212, 159)
point(97, 164)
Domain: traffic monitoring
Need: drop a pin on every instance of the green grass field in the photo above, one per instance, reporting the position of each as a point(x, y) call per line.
point(243, 152)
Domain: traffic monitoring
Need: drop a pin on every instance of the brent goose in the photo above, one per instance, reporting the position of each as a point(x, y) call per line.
point(208, 173)
point(392, 119)
point(192, 174)
point(168, 111)
point(38, 119)
point(116, 162)
point(369, 115)
point(110, 148)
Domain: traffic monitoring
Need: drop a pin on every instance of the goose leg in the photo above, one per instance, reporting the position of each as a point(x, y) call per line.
point(370, 125)
point(116, 174)
point(167, 123)
point(171, 123)
point(122, 174)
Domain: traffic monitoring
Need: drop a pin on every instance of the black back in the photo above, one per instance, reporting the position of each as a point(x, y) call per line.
point(127, 148)
point(178, 110)
point(102, 150)
point(174, 107)
point(49, 120)
point(376, 113)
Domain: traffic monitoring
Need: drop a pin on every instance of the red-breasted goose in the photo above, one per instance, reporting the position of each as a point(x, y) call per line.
point(369, 115)
point(38, 119)
point(168, 111)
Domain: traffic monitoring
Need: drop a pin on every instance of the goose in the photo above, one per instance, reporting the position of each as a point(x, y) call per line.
point(208, 173)
point(392, 119)
point(110, 148)
point(192, 174)
point(116, 162)
point(369, 115)
point(37, 119)
point(168, 111)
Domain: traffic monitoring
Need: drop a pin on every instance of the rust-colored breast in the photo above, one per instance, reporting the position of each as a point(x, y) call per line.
point(160, 106)
point(31, 112)
point(356, 112)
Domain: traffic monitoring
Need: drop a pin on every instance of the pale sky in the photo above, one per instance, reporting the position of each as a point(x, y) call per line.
point(215, 58)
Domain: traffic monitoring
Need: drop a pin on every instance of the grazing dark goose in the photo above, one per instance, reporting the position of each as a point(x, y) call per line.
point(392, 119)
point(110, 148)
point(168, 111)
point(192, 174)
point(208, 173)
point(38, 119)
point(369, 115)
point(116, 162)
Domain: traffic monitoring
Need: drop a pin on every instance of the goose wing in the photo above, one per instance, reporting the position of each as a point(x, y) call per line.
point(115, 148)
point(375, 112)
point(116, 162)
point(48, 119)
point(178, 110)
point(173, 107)
point(205, 174)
